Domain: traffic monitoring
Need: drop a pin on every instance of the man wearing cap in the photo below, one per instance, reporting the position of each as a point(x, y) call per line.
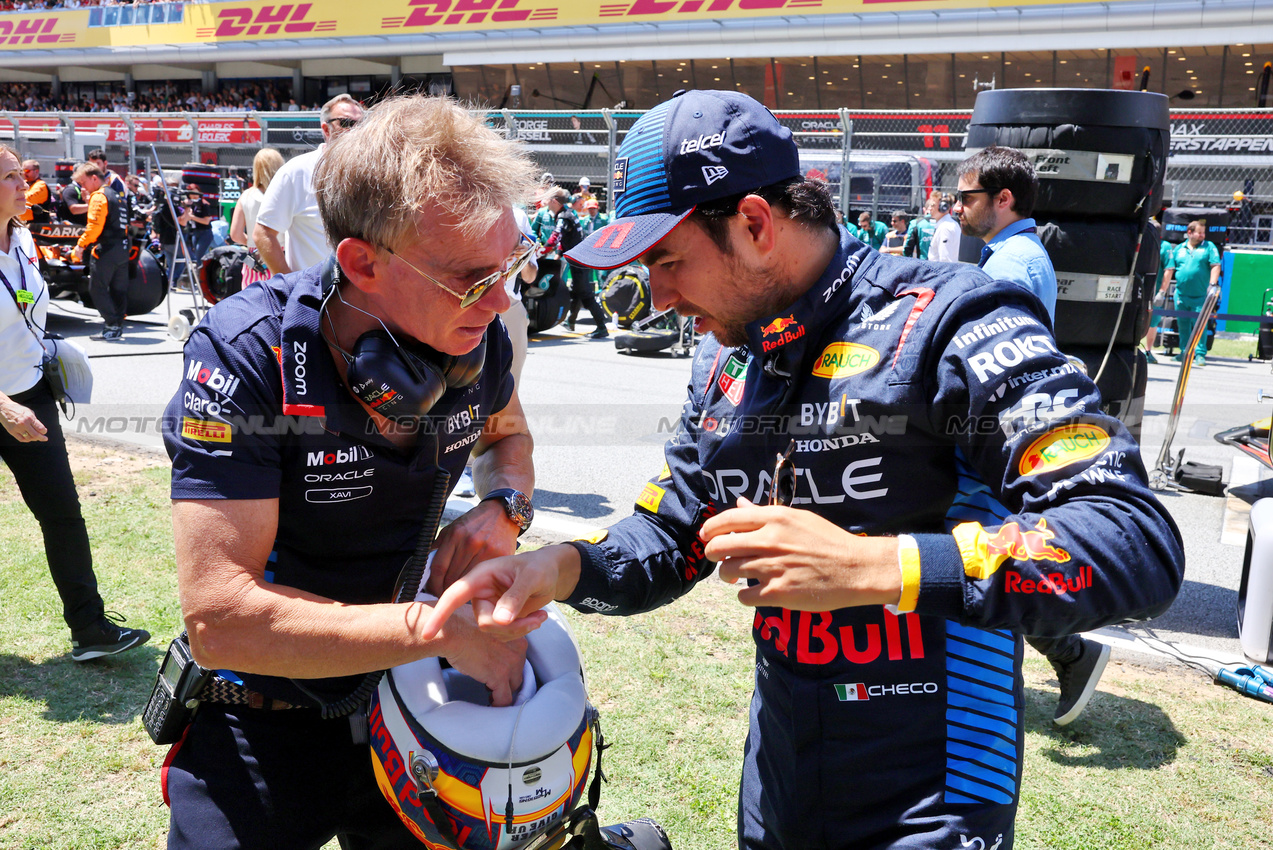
point(834, 401)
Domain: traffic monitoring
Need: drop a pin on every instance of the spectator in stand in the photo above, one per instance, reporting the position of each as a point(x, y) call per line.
point(290, 206)
point(243, 222)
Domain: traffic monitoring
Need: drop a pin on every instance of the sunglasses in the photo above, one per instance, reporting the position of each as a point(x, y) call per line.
point(962, 195)
point(345, 123)
point(474, 293)
point(782, 489)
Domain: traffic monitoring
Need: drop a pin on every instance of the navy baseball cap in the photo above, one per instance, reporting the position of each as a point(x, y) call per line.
point(697, 147)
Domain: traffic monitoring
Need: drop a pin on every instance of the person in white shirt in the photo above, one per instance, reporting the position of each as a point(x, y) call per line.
point(265, 165)
point(945, 244)
point(290, 207)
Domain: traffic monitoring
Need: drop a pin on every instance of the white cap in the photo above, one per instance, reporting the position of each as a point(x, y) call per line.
point(584, 181)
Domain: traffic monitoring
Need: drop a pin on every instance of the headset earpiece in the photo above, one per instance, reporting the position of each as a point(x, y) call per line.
point(405, 382)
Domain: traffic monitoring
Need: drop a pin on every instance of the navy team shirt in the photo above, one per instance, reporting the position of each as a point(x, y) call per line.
point(262, 413)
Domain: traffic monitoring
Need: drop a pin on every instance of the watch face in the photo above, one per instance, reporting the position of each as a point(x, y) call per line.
point(519, 509)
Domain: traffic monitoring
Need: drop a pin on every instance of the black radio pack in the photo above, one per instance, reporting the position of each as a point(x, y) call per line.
point(175, 697)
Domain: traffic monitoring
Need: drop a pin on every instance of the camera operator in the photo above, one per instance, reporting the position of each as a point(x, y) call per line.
point(200, 214)
point(166, 226)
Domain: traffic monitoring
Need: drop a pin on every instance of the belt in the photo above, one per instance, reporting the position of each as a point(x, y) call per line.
point(221, 691)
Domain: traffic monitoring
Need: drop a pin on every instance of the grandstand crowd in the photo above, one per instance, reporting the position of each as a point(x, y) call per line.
point(232, 97)
point(39, 5)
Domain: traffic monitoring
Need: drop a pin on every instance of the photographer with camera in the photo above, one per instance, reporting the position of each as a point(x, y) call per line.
point(31, 441)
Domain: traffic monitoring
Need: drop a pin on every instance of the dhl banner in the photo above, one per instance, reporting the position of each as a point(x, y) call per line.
point(77, 29)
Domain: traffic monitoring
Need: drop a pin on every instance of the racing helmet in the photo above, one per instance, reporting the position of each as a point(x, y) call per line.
point(464, 774)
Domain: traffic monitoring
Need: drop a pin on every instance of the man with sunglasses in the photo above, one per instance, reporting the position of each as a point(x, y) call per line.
point(289, 231)
point(323, 417)
point(834, 400)
point(997, 187)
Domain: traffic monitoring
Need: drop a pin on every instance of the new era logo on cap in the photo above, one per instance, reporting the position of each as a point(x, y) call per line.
point(698, 147)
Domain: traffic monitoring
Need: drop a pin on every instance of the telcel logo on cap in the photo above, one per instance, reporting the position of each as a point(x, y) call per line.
point(702, 143)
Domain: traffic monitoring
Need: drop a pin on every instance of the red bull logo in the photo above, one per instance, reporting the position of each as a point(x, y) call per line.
point(1056, 583)
point(777, 326)
point(1011, 541)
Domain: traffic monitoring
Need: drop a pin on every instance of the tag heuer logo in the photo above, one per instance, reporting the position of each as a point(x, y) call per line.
point(851, 693)
point(712, 173)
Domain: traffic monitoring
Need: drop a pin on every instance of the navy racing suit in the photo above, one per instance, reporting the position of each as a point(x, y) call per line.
point(901, 726)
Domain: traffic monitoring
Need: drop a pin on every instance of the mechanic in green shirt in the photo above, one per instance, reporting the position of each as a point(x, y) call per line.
point(1194, 266)
point(872, 231)
point(920, 234)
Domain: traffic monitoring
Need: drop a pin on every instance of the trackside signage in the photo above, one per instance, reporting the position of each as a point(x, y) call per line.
point(266, 21)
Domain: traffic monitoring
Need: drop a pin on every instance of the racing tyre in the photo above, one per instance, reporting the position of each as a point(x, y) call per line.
point(1175, 221)
point(626, 295)
point(547, 299)
point(1092, 261)
point(147, 286)
point(645, 342)
point(1096, 151)
point(1122, 384)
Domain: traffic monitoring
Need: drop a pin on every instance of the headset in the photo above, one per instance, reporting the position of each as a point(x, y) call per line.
point(403, 380)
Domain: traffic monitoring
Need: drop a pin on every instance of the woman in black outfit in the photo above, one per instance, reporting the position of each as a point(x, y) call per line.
point(31, 441)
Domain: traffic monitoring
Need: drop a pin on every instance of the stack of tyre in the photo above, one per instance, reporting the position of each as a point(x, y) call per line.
point(1100, 156)
point(207, 178)
point(1175, 226)
point(62, 171)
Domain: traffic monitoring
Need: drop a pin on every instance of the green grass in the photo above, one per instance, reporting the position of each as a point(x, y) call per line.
point(1161, 759)
point(1237, 348)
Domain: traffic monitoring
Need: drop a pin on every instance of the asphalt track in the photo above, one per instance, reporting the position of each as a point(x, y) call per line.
point(600, 419)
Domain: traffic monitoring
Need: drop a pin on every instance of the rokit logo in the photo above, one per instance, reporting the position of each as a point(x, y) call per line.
point(349, 455)
point(213, 379)
point(1009, 354)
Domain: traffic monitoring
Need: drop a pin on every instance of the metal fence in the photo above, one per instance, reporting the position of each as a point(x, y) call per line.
point(892, 159)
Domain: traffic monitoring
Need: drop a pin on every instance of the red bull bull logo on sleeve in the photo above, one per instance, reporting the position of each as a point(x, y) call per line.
point(984, 551)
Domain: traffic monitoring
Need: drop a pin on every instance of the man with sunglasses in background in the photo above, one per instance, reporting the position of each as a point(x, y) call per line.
point(834, 400)
point(323, 417)
point(997, 188)
point(289, 231)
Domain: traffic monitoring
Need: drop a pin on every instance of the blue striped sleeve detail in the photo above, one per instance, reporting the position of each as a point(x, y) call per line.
point(1002, 710)
point(989, 734)
point(987, 758)
point(979, 673)
point(977, 642)
point(979, 792)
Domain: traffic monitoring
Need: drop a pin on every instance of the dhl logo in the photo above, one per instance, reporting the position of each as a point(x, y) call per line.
point(984, 552)
point(267, 20)
point(428, 13)
point(777, 326)
point(1062, 447)
point(32, 31)
point(685, 7)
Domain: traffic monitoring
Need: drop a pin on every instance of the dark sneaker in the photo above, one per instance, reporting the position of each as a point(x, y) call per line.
point(105, 638)
point(1078, 681)
point(1150, 358)
point(111, 333)
point(599, 333)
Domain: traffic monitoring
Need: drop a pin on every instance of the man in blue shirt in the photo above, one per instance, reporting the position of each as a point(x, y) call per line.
point(995, 199)
point(997, 188)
